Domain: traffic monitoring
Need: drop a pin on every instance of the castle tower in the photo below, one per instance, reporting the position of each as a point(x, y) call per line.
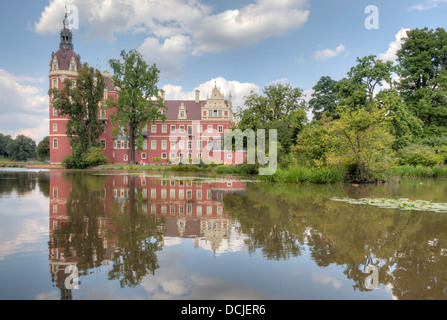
point(65, 63)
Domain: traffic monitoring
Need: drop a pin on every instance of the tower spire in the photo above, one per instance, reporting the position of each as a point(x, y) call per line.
point(66, 34)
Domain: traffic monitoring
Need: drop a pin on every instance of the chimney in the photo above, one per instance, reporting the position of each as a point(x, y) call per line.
point(197, 95)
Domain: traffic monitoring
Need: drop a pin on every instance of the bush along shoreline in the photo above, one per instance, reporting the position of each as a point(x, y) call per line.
point(296, 174)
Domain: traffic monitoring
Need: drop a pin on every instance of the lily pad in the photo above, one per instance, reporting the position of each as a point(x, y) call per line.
point(402, 204)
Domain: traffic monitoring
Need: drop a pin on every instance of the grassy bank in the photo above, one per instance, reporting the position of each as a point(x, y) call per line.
point(306, 175)
point(419, 171)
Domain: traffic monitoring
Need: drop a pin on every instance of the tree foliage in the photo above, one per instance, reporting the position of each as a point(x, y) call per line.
point(324, 99)
point(360, 141)
point(43, 149)
point(21, 148)
point(139, 101)
point(423, 73)
point(80, 102)
point(281, 107)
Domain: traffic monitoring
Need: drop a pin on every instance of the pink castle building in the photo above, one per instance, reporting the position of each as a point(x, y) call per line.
point(193, 129)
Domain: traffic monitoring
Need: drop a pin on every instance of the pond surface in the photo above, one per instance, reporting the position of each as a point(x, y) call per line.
point(95, 235)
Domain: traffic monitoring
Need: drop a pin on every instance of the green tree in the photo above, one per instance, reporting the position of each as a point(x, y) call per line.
point(4, 140)
point(405, 127)
point(43, 149)
point(21, 148)
point(136, 106)
point(311, 144)
point(360, 141)
point(364, 80)
point(80, 102)
point(281, 107)
point(423, 85)
point(324, 98)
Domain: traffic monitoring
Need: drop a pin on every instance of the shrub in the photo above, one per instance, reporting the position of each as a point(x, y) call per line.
point(419, 155)
point(95, 157)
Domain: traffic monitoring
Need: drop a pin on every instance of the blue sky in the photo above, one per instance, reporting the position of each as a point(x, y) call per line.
point(242, 45)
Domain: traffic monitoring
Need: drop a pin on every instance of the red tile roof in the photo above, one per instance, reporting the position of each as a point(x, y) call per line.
point(193, 109)
point(65, 59)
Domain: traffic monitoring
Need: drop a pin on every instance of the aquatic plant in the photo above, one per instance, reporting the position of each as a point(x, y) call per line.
point(402, 204)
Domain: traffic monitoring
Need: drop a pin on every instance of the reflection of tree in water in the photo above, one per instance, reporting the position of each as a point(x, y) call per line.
point(265, 223)
point(409, 249)
point(139, 237)
point(80, 236)
point(21, 182)
point(84, 236)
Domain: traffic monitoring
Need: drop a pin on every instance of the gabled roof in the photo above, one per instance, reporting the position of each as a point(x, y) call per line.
point(193, 109)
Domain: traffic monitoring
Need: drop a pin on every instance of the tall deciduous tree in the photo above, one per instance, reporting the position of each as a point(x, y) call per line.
point(43, 149)
point(21, 148)
point(423, 73)
point(324, 98)
point(360, 140)
point(364, 80)
point(281, 107)
point(79, 101)
point(139, 100)
point(4, 140)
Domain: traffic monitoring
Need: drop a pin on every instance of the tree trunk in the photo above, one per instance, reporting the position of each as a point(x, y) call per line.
point(132, 143)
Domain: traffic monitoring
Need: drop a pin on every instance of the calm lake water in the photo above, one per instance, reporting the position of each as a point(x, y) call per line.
point(169, 236)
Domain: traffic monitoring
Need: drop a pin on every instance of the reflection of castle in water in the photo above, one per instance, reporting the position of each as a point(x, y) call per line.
point(189, 208)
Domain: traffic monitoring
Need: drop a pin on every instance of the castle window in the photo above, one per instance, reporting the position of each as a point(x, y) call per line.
point(54, 127)
point(103, 143)
point(220, 129)
point(55, 143)
point(125, 157)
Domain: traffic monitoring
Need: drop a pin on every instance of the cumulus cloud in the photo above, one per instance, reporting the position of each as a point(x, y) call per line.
point(394, 46)
point(176, 29)
point(328, 53)
point(237, 89)
point(23, 106)
point(427, 5)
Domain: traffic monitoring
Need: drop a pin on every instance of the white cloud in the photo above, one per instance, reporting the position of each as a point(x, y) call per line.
point(237, 89)
point(170, 56)
point(249, 25)
point(23, 106)
point(176, 29)
point(328, 53)
point(394, 46)
point(427, 5)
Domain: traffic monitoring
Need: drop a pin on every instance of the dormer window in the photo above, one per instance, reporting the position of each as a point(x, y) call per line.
point(182, 112)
